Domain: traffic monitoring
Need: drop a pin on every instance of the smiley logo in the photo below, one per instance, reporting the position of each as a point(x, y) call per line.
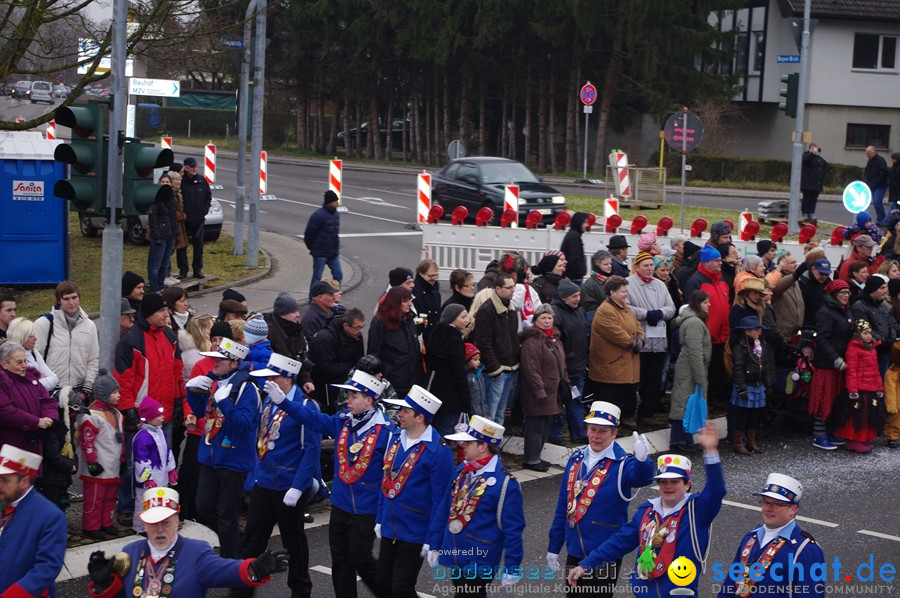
point(682, 571)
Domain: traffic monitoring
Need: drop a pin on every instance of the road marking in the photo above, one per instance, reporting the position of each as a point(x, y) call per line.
point(327, 571)
point(232, 204)
point(394, 234)
point(798, 518)
point(878, 535)
point(376, 201)
point(312, 205)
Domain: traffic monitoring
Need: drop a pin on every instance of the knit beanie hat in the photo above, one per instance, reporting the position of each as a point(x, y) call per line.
point(641, 257)
point(874, 282)
point(566, 288)
point(149, 409)
point(544, 308)
point(836, 285)
point(646, 241)
point(104, 385)
point(547, 263)
point(861, 219)
point(255, 330)
point(129, 281)
point(151, 304)
point(690, 249)
point(763, 247)
point(451, 312)
point(398, 276)
point(708, 254)
point(232, 294)
point(330, 197)
point(471, 351)
point(221, 329)
point(285, 304)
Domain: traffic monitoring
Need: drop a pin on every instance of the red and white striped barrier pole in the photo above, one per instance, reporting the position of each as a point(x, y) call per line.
point(263, 185)
point(619, 162)
point(209, 163)
point(423, 205)
point(335, 176)
point(610, 206)
point(20, 120)
point(51, 130)
point(165, 142)
point(511, 202)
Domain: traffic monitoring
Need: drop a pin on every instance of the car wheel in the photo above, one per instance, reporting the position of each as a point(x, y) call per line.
point(84, 224)
point(134, 230)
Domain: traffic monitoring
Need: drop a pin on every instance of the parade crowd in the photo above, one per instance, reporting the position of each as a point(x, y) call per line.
point(201, 411)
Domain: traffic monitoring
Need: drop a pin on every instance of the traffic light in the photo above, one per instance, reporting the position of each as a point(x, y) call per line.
point(139, 190)
point(86, 155)
point(791, 93)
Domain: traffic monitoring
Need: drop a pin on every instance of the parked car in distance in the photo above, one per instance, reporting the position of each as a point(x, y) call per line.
point(135, 227)
point(62, 90)
point(41, 91)
point(21, 90)
point(479, 182)
point(362, 132)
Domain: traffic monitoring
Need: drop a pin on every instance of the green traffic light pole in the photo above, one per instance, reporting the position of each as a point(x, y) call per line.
point(797, 147)
point(111, 266)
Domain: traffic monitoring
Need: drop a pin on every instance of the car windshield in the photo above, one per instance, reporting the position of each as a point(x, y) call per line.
point(506, 172)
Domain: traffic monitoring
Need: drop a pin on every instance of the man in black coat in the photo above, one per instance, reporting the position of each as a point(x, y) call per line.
point(812, 177)
point(197, 198)
point(618, 247)
point(573, 248)
point(575, 336)
point(427, 297)
point(335, 350)
point(877, 180)
point(322, 239)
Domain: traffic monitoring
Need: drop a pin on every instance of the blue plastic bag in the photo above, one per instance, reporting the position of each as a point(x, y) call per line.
point(694, 418)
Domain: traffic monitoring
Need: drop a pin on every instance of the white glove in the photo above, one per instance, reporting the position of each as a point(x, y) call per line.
point(291, 497)
point(222, 393)
point(200, 384)
point(432, 558)
point(274, 391)
point(426, 548)
point(641, 446)
point(378, 530)
point(553, 561)
point(510, 581)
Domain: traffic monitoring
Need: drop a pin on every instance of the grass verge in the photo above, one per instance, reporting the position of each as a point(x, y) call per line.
point(85, 258)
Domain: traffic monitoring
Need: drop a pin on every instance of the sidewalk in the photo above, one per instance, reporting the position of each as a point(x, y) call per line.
point(289, 268)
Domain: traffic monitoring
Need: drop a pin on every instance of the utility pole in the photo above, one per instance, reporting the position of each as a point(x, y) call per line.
point(240, 190)
point(797, 147)
point(259, 72)
point(111, 266)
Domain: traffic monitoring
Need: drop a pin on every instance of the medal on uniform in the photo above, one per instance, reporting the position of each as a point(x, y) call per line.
point(137, 591)
point(356, 447)
point(455, 526)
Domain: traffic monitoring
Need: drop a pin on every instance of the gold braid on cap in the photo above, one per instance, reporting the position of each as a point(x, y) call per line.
point(860, 325)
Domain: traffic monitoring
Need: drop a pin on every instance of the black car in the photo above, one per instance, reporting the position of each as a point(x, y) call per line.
point(396, 134)
point(479, 182)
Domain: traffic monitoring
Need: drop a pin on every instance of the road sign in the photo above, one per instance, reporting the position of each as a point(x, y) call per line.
point(588, 94)
point(233, 42)
point(456, 150)
point(676, 133)
point(787, 59)
point(857, 197)
point(166, 88)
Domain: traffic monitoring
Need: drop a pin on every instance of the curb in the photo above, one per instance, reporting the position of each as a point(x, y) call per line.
point(241, 282)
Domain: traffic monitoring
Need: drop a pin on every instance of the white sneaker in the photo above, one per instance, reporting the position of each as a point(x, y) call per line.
point(170, 281)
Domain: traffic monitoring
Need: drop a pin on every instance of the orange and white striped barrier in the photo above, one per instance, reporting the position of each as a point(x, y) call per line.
point(610, 206)
point(165, 142)
point(423, 204)
point(618, 160)
point(209, 163)
point(744, 218)
point(511, 202)
point(20, 120)
point(51, 130)
point(263, 168)
point(335, 177)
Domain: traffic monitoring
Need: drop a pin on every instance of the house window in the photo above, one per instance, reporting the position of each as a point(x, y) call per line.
point(759, 53)
point(741, 51)
point(862, 136)
point(875, 52)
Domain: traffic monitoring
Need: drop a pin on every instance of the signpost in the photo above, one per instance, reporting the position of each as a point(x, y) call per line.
point(683, 132)
point(588, 96)
point(165, 88)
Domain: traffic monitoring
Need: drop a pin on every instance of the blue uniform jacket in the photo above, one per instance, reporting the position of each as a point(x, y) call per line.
point(259, 355)
point(774, 582)
point(361, 496)
point(408, 516)
point(197, 568)
point(33, 547)
point(706, 507)
point(293, 461)
point(608, 511)
point(238, 452)
point(481, 542)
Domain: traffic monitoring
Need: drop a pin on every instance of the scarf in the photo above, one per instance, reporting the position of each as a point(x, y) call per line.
point(548, 332)
point(477, 464)
point(647, 280)
point(361, 419)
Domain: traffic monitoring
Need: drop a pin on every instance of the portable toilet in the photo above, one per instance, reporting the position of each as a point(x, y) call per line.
point(34, 223)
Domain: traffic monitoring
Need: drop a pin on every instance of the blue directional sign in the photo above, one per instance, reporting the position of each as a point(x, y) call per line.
point(233, 42)
point(857, 197)
point(787, 58)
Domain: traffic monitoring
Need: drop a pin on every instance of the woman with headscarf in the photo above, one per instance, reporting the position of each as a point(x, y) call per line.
point(549, 272)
